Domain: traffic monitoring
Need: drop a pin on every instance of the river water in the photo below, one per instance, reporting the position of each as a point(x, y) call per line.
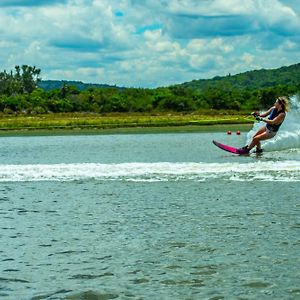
point(149, 216)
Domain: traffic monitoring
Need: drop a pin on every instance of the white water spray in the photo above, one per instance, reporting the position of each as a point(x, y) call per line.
point(288, 136)
point(287, 170)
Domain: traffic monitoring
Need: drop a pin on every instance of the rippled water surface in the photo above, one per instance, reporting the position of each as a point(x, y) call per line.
point(154, 216)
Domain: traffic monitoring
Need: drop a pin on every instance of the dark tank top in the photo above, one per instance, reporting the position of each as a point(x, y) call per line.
point(273, 115)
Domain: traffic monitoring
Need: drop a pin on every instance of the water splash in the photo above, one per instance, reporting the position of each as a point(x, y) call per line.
point(287, 170)
point(288, 136)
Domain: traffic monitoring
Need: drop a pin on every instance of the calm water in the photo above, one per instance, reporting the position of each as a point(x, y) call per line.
point(154, 216)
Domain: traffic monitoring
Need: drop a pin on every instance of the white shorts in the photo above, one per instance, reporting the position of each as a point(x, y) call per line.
point(270, 133)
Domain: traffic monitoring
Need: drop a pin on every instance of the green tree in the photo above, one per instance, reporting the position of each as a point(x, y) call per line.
point(23, 80)
point(29, 77)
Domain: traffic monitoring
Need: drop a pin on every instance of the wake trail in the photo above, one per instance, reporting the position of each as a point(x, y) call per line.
point(287, 170)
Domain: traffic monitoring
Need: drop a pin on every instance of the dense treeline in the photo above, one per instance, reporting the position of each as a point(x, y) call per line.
point(19, 92)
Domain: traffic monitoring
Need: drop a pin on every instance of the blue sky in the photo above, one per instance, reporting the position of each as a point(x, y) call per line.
point(148, 43)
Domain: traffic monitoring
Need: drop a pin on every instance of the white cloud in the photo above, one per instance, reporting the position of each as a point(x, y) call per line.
point(210, 7)
point(231, 18)
point(248, 58)
point(148, 42)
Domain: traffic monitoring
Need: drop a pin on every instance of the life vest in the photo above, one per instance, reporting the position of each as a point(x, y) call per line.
point(273, 115)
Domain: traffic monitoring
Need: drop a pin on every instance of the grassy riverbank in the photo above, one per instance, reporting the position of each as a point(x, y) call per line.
point(86, 122)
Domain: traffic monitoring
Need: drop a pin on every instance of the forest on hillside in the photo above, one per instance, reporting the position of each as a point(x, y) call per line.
point(20, 92)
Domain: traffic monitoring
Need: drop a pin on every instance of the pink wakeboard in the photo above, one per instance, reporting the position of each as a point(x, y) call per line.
point(227, 148)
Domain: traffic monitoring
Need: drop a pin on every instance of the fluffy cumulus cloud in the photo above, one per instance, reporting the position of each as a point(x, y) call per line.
point(148, 43)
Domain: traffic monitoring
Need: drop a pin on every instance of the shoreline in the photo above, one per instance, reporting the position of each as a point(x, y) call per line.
point(126, 130)
point(74, 123)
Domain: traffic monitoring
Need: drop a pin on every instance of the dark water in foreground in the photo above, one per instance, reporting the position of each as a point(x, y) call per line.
point(165, 216)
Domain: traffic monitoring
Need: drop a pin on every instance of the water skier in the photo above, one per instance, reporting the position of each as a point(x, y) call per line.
point(276, 117)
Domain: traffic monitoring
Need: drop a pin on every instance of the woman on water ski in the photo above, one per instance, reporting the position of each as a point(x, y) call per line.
point(276, 117)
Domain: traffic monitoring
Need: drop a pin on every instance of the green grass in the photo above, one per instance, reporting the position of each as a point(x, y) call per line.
point(68, 121)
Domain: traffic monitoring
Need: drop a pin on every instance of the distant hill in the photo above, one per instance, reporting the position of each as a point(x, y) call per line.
point(49, 85)
point(251, 80)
